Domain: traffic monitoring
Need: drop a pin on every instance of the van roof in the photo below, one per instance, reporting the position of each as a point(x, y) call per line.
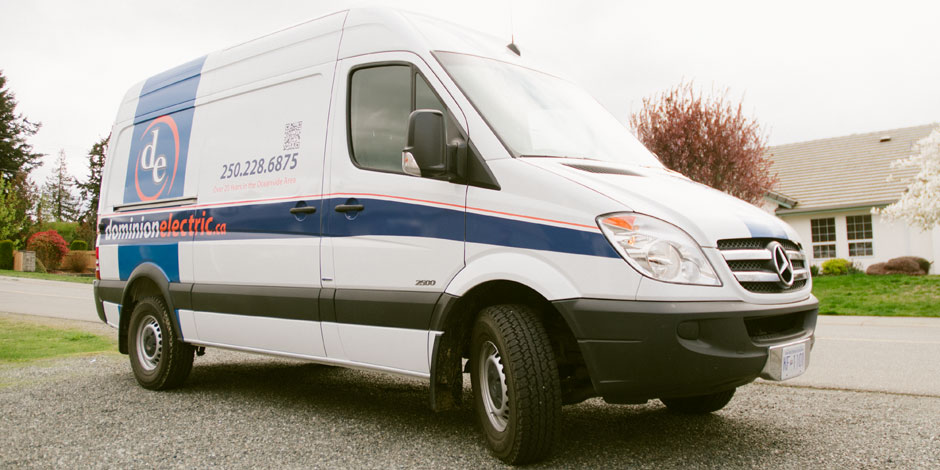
point(362, 31)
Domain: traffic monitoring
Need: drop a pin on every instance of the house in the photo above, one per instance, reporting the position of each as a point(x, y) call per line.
point(827, 189)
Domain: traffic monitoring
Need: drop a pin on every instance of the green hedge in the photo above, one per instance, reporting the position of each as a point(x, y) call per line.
point(78, 245)
point(66, 229)
point(6, 254)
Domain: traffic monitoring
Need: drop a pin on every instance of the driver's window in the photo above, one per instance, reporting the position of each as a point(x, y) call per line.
point(379, 105)
point(380, 100)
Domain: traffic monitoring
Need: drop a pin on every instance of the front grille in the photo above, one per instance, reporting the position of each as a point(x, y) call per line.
point(770, 288)
point(775, 327)
point(754, 244)
point(746, 265)
point(751, 261)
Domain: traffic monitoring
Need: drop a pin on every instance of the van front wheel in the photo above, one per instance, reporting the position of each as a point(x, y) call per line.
point(159, 360)
point(516, 390)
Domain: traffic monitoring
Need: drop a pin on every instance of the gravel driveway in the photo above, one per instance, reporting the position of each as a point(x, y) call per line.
point(245, 411)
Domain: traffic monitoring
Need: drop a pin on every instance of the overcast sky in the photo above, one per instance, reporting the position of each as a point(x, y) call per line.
point(804, 69)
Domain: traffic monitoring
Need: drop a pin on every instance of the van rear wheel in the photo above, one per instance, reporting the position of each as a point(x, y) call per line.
point(159, 360)
point(516, 390)
point(700, 404)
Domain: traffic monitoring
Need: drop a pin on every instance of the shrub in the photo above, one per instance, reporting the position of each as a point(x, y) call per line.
point(814, 270)
point(49, 246)
point(78, 245)
point(876, 269)
point(75, 262)
point(836, 266)
point(924, 264)
point(909, 265)
point(6, 254)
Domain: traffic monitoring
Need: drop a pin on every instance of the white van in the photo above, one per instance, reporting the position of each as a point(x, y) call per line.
point(381, 190)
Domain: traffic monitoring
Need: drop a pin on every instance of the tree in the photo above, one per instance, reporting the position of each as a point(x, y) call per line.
point(16, 155)
point(63, 206)
point(707, 139)
point(920, 203)
point(9, 200)
point(17, 202)
point(91, 189)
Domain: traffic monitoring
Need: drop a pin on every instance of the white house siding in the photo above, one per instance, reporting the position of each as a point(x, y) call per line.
point(935, 267)
point(889, 239)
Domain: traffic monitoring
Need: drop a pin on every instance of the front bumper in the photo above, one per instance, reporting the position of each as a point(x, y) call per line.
point(635, 351)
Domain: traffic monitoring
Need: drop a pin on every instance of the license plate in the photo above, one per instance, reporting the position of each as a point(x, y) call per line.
point(787, 360)
point(793, 361)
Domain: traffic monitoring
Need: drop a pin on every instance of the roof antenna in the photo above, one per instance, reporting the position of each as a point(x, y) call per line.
point(512, 37)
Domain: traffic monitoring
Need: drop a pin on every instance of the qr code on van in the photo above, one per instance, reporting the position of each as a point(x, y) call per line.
point(292, 135)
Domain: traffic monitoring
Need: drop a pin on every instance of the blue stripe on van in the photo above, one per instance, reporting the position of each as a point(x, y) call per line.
point(383, 217)
point(379, 218)
point(163, 121)
point(534, 236)
point(166, 257)
point(170, 91)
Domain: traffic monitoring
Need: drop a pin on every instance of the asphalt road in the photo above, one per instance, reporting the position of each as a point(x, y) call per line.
point(69, 300)
point(246, 411)
point(888, 354)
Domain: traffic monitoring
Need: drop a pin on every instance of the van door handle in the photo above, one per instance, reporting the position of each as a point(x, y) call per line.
point(349, 208)
point(303, 210)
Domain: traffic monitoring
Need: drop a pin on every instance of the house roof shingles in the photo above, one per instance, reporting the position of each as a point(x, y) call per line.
point(849, 171)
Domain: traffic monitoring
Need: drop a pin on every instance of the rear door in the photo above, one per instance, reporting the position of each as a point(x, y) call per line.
point(393, 241)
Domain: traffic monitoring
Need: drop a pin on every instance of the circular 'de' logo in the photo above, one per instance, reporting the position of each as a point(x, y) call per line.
point(155, 171)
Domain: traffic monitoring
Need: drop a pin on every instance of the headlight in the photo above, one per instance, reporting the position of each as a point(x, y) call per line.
point(658, 249)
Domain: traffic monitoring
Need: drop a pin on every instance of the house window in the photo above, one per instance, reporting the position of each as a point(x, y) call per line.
point(824, 237)
point(858, 231)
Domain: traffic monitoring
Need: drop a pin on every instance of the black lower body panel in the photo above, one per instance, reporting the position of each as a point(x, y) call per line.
point(635, 351)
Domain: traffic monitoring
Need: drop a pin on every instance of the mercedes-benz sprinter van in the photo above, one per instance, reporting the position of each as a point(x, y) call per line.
point(381, 190)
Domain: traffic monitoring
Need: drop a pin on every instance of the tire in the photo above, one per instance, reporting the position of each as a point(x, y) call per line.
point(159, 359)
point(700, 404)
point(516, 389)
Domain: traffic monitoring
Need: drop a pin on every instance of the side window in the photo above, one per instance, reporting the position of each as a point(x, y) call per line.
point(379, 105)
point(380, 100)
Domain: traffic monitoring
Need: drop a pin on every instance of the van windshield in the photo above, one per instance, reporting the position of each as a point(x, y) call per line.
point(536, 114)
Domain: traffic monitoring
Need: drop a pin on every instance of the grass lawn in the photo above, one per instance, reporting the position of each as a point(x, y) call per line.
point(50, 277)
point(21, 341)
point(889, 295)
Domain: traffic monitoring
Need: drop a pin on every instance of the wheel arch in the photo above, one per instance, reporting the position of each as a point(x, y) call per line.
point(524, 269)
point(146, 279)
point(455, 316)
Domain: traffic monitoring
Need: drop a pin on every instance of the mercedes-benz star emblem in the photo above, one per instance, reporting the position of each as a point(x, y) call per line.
point(781, 264)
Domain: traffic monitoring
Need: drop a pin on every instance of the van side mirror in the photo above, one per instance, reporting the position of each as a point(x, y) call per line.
point(426, 150)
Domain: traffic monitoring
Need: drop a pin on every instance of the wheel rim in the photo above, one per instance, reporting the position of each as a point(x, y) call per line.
point(492, 379)
point(149, 343)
